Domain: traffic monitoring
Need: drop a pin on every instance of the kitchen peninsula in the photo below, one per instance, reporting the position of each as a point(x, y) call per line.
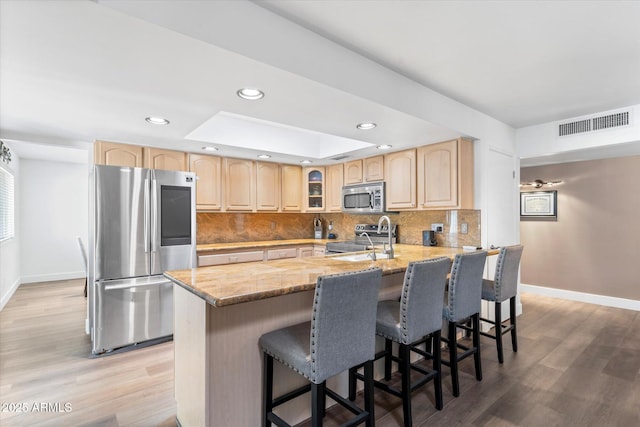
point(221, 311)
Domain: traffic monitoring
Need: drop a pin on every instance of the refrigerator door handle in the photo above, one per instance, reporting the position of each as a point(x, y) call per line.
point(154, 216)
point(146, 215)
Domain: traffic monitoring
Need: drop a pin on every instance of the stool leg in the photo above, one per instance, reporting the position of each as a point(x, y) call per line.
point(476, 344)
point(316, 402)
point(453, 358)
point(405, 360)
point(267, 388)
point(388, 351)
point(512, 315)
point(498, 330)
point(369, 403)
point(353, 382)
point(437, 366)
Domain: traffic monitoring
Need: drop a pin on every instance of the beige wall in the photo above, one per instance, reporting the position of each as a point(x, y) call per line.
point(594, 245)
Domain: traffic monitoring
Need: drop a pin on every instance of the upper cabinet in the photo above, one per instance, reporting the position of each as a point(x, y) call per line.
point(445, 175)
point(267, 186)
point(353, 172)
point(110, 153)
point(334, 181)
point(240, 187)
point(400, 172)
point(374, 169)
point(314, 188)
point(208, 170)
point(158, 158)
point(291, 198)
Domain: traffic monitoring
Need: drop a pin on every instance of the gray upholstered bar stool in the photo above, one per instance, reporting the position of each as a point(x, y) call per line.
point(341, 335)
point(407, 322)
point(463, 303)
point(504, 287)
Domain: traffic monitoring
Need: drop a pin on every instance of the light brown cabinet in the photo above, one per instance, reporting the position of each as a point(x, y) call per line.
point(374, 169)
point(229, 258)
point(314, 188)
point(334, 178)
point(400, 171)
point(158, 158)
point(353, 172)
point(291, 188)
point(445, 175)
point(114, 154)
point(240, 185)
point(208, 170)
point(267, 186)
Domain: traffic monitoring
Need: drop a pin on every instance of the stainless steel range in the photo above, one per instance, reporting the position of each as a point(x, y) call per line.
point(360, 242)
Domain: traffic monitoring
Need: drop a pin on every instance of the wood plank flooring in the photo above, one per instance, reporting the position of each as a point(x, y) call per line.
point(578, 365)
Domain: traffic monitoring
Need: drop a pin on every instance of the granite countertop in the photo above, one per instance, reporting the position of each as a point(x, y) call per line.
point(210, 247)
point(230, 284)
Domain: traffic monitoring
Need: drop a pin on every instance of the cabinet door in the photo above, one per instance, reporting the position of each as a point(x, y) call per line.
point(400, 169)
point(240, 189)
point(110, 153)
point(353, 172)
point(315, 189)
point(335, 176)
point(157, 158)
point(305, 251)
point(374, 169)
point(445, 175)
point(208, 170)
point(267, 186)
point(291, 188)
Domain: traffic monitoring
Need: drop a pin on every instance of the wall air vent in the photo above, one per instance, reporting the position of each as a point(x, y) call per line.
point(595, 123)
point(574, 127)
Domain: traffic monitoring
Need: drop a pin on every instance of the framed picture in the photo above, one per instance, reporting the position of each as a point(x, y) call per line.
point(539, 204)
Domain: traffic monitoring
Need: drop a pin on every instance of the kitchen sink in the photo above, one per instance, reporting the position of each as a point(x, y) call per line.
point(360, 257)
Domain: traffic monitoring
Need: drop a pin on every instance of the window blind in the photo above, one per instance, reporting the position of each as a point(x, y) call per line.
point(7, 223)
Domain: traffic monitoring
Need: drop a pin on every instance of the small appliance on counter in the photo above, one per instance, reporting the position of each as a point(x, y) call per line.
point(317, 228)
point(429, 238)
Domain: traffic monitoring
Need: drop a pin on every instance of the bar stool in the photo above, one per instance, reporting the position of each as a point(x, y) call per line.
point(341, 334)
point(504, 287)
point(407, 322)
point(463, 303)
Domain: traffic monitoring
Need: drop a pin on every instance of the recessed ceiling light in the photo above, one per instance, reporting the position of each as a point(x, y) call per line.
point(366, 125)
point(157, 120)
point(250, 94)
point(306, 162)
point(384, 147)
point(210, 148)
point(264, 156)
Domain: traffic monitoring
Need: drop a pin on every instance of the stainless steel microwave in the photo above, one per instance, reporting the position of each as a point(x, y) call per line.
point(363, 198)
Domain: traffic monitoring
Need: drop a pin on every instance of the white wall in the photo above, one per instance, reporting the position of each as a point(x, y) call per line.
point(54, 210)
point(10, 249)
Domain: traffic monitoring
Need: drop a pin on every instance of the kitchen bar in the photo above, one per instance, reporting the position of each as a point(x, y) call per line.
point(221, 311)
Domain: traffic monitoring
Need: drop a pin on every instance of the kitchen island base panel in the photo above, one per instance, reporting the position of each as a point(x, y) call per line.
point(218, 376)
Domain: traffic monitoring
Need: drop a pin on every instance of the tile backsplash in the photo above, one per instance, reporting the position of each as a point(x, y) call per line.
point(224, 227)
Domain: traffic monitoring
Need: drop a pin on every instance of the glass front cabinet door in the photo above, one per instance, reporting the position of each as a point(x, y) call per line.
point(315, 189)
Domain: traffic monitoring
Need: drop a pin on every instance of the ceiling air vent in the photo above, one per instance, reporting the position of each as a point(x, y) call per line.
point(339, 158)
point(593, 124)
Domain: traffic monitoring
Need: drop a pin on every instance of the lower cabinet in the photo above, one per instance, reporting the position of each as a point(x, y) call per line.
point(282, 253)
point(268, 253)
point(230, 258)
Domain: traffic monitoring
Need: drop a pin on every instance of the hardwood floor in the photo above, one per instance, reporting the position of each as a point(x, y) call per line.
point(578, 365)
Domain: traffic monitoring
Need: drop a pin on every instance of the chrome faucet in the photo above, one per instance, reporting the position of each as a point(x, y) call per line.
point(372, 255)
point(389, 251)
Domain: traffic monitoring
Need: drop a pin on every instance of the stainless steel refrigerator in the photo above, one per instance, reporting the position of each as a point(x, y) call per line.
point(143, 224)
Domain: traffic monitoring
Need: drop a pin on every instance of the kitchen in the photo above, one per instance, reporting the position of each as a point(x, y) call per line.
point(45, 255)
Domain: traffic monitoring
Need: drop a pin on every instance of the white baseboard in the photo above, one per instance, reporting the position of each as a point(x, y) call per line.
point(36, 278)
point(608, 301)
point(5, 298)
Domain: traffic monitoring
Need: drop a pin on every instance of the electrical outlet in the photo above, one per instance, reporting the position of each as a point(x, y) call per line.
point(438, 228)
point(464, 228)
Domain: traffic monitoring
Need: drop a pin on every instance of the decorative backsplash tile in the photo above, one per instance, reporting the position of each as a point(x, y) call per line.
point(226, 227)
